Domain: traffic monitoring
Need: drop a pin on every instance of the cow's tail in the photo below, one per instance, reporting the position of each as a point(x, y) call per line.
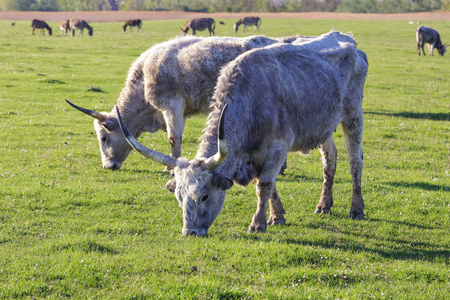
point(259, 21)
point(213, 25)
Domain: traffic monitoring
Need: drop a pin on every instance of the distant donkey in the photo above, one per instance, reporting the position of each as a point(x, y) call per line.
point(427, 35)
point(248, 21)
point(80, 25)
point(133, 23)
point(39, 24)
point(64, 26)
point(199, 24)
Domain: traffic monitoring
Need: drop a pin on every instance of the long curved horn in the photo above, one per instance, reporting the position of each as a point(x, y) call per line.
point(147, 152)
point(215, 160)
point(92, 113)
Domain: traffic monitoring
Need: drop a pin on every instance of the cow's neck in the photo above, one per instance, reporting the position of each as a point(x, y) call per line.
point(138, 115)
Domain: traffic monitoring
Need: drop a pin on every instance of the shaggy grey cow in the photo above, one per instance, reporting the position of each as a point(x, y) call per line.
point(427, 35)
point(80, 25)
point(278, 99)
point(165, 85)
point(248, 21)
point(199, 24)
point(39, 24)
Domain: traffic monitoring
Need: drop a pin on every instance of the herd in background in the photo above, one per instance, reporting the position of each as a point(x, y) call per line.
point(198, 24)
point(424, 35)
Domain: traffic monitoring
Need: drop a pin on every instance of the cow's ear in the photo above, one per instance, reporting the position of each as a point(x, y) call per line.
point(222, 182)
point(171, 185)
point(110, 124)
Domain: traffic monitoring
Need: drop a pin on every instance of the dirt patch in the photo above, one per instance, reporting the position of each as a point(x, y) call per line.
point(120, 16)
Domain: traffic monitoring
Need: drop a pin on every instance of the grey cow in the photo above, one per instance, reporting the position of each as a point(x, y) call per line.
point(247, 21)
point(64, 26)
point(296, 106)
point(427, 35)
point(165, 85)
point(80, 25)
point(199, 24)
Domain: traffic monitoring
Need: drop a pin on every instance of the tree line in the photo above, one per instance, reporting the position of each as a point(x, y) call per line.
point(355, 6)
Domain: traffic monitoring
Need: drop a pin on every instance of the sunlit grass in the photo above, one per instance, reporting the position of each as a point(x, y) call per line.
point(70, 229)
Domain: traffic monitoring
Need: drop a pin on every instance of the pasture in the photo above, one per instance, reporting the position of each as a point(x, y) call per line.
point(70, 229)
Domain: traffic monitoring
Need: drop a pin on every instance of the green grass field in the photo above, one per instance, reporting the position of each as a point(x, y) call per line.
point(70, 229)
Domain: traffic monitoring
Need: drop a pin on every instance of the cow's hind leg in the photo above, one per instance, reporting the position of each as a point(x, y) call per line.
point(276, 209)
point(353, 138)
point(329, 155)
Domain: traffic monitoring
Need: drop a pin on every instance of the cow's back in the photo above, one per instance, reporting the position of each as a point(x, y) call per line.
point(189, 69)
point(285, 100)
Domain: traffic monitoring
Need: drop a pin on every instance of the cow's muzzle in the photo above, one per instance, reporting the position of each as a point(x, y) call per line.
point(196, 232)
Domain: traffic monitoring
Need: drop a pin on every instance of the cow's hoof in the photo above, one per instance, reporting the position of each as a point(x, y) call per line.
point(274, 221)
point(322, 211)
point(356, 216)
point(256, 228)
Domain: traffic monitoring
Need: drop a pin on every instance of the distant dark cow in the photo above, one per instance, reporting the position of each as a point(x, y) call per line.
point(40, 25)
point(80, 25)
point(132, 23)
point(431, 37)
point(13, 24)
point(200, 25)
point(64, 26)
point(248, 21)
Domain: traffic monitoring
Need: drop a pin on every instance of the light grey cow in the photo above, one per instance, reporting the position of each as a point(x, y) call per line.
point(248, 21)
point(165, 85)
point(427, 35)
point(269, 102)
point(199, 24)
point(64, 26)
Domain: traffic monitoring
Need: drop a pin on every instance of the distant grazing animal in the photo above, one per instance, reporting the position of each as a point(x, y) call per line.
point(260, 115)
point(221, 23)
point(136, 23)
point(431, 37)
point(39, 24)
point(64, 26)
point(199, 24)
point(80, 25)
point(13, 24)
point(165, 85)
point(248, 21)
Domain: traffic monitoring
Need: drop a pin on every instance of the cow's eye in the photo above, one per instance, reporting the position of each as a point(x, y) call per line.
point(204, 198)
point(103, 139)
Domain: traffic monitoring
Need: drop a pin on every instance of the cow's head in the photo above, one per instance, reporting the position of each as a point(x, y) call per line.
point(442, 50)
point(198, 187)
point(113, 147)
point(91, 31)
point(236, 27)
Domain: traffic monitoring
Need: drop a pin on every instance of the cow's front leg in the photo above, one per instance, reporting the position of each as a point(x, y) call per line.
point(276, 209)
point(329, 155)
point(264, 190)
point(175, 126)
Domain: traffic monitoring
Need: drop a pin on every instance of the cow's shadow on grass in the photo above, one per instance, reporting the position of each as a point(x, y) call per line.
point(413, 115)
point(352, 239)
point(418, 185)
